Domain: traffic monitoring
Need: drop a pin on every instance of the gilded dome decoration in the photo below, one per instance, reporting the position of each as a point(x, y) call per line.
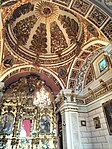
point(46, 12)
point(44, 29)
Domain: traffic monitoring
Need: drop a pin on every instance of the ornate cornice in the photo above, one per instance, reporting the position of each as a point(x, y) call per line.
point(98, 92)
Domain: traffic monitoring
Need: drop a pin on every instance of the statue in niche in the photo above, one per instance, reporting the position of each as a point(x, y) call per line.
point(6, 123)
point(45, 124)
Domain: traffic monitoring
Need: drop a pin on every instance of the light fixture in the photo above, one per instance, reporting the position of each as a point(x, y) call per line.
point(42, 98)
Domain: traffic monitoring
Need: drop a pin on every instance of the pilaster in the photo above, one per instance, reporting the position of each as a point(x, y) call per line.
point(70, 122)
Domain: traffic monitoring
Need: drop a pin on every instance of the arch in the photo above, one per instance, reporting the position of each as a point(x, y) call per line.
point(92, 43)
point(53, 83)
point(84, 68)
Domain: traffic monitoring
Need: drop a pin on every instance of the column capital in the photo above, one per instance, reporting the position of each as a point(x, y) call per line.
point(69, 107)
point(66, 95)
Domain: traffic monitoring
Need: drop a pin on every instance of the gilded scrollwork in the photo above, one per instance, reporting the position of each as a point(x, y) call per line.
point(89, 76)
point(81, 6)
point(107, 29)
point(23, 28)
point(63, 2)
point(71, 27)
point(92, 30)
point(97, 16)
point(58, 41)
point(41, 39)
point(53, 34)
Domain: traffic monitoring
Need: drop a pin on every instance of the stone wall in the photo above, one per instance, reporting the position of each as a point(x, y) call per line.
point(91, 137)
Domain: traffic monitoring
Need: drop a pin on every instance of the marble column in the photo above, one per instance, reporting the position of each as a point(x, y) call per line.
point(70, 122)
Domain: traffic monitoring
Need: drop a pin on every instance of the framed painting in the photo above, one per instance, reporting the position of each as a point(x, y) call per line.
point(107, 108)
point(103, 65)
point(97, 123)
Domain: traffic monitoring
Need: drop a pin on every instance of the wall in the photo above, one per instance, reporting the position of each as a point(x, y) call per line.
point(105, 76)
point(95, 138)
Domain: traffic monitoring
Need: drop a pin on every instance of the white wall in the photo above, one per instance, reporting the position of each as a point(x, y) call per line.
point(92, 138)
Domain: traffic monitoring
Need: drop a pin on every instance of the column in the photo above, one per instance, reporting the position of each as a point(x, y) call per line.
point(70, 122)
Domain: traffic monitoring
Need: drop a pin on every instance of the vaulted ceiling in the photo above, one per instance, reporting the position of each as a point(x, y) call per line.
point(52, 38)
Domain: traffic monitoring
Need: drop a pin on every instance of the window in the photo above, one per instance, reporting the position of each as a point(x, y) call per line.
point(103, 65)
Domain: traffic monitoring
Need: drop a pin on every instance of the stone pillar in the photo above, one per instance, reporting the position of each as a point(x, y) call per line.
point(70, 122)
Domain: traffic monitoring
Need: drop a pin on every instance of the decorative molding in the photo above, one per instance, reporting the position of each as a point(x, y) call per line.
point(81, 6)
point(98, 92)
point(82, 72)
point(97, 16)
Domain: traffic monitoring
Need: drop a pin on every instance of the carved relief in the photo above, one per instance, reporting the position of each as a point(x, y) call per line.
point(92, 30)
point(30, 121)
point(82, 6)
point(91, 48)
point(55, 39)
point(8, 61)
point(20, 10)
point(58, 42)
point(84, 55)
point(62, 72)
point(108, 3)
point(81, 74)
point(90, 76)
point(78, 64)
point(72, 83)
point(41, 39)
point(71, 27)
point(23, 9)
point(74, 73)
point(23, 28)
point(108, 29)
point(97, 16)
point(63, 2)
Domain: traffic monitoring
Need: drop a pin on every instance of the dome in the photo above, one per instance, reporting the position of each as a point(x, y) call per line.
point(42, 31)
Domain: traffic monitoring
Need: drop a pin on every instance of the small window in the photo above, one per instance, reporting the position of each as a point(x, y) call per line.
point(103, 65)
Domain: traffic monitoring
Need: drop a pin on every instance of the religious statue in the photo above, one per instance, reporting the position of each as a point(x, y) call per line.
point(6, 123)
point(44, 125)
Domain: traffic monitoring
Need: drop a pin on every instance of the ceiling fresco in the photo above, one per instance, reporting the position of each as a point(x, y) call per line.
point(52, 37)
